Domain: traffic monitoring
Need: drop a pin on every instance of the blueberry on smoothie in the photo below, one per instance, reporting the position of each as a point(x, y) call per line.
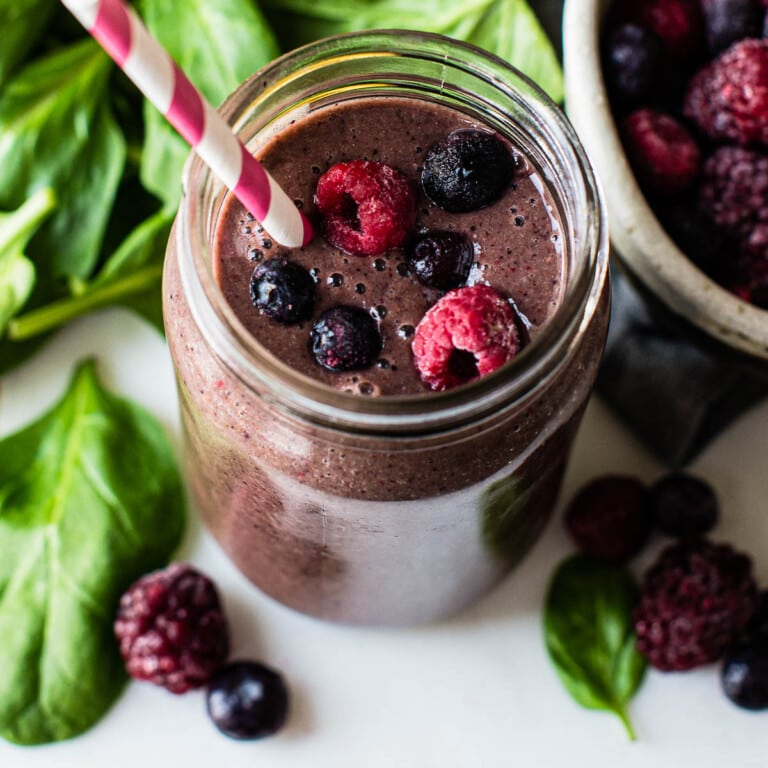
point(283, 290)
point(441, 258)
point(345, 339)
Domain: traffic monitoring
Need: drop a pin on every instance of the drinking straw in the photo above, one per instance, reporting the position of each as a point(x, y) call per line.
point(124, 37)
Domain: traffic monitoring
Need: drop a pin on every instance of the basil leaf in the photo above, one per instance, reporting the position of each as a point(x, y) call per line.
point(90, 499)
point(56, 130)
point(508, 28)
point(218, 45)
point(23, 23)
point(590, 637)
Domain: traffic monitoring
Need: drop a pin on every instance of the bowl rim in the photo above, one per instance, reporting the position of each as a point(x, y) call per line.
point(640, 242)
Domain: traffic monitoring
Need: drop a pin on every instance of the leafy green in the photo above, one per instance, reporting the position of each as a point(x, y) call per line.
point(90, 499)
point(218, 45)
point(589, 634)
point(23, 23)
point(508, 28)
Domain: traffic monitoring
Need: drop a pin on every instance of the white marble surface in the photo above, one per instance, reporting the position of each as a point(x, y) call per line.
point(473, 692)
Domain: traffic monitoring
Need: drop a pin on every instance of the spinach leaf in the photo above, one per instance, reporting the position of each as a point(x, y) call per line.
point(56, 130)
point(589, 634)
point(22, 23)
point(218, 45)
point(90, 499)
point(508, 28)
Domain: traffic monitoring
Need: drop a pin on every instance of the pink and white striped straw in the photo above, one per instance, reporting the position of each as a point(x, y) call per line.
point(125, 38)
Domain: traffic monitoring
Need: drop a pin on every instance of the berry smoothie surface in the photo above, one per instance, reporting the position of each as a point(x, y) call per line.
point(515, 241)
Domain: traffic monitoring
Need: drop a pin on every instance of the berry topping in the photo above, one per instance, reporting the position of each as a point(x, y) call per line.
point(677, 22)
point(728, 99)
point(468, 333)
point(283, 290)
point(683, 505)
point(441, 259)
point(728, 21)
point(171, 628)
point(608, 519)
point(468, 170)
point(345, 339)
point(662, 153)
point(367, 207)
point(247, 700)
point(634, 60)
point(695, 601)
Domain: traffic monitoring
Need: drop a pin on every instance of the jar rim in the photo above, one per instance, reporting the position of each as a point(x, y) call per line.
point(315, 401)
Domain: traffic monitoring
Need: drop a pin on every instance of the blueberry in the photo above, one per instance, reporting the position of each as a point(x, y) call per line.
point(682, 505)
point(283, 290)
point(467, 170)
point(728, 21)
point(345, 339)
point(441, 259)
point(247, 700)
point(744, 675)
point(634, 61)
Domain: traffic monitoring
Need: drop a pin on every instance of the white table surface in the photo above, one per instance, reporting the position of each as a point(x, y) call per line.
point(476, 691)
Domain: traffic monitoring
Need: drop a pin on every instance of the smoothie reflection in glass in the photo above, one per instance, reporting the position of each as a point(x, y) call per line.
point(361, 496)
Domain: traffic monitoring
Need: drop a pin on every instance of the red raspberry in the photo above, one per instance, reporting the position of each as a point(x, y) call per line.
point(662, 153)
point(728, 99)
point(468, 333)
point(367, 207)
point(679, 24)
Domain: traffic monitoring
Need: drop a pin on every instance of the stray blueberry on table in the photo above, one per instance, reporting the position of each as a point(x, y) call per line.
point(441, 258)
point(283, 290)
point(345, 338)
point(744, 675)
point(683, 505)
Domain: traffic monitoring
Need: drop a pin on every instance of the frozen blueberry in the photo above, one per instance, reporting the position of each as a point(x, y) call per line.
point(633, 60)
point(682, 505)
point(467, 170)
point(283, 290)
point(345, 338)
point(728, 21)
point(440, 258)
point(744, 675)
point(247, 700)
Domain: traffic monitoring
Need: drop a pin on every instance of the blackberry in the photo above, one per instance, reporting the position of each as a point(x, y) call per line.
point(678, 23)
point(467, 170)
point(608, 518)
point(441, 259)
point(345, 338)
point(171, 628)
point(247, 700)
point(744, 676)
point(728, 21)
point(634, 60)
point(283, 290)
point(683, 505)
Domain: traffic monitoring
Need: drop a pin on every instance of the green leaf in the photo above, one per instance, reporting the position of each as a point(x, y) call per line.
point(57, 131)
point(22, 23)
point(508, 28)
point(90, 499)
point(218, 45)
point(590, 637)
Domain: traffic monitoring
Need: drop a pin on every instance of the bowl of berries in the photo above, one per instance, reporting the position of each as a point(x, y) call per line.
point(670, 98)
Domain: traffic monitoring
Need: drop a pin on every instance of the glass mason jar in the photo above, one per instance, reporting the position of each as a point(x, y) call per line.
point(383, 510)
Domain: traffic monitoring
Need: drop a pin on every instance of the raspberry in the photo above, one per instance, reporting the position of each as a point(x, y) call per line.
point(441, 258)
point(171, 628)
point(283, 290)
point(367, 207)
point(662, 153)
point(728, 99)
point(608, 518)
point(728, 21)
point(345, 339)
point(696, 600)
point(678, 23)
point(468, 333)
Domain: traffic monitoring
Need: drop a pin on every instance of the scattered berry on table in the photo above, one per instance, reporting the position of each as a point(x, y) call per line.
point(367, 207)
point(744, 675)
point(247, 700)
point(758, 626)
point(441, 258)
point(678, 23)
point(467, 170)
point(171, 628)
point(728, 21)
point(283, 290)
point(608, 518)
point(468, 333)
point(663, 154)
point(696, 600)
point(683, 505)
point(728, 98)
point(345, 338)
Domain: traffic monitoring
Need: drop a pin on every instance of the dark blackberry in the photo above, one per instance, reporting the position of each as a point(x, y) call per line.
point(247, 700)
point(345, 339)
point(441, 259)
point(744, 675)
point(682, 505)
point(283, 290)
point(728, 21)
point(171, 628)
point(696, 600)
point(677, 22)
point(608, 518)
point(634, 60)
point(467, 170)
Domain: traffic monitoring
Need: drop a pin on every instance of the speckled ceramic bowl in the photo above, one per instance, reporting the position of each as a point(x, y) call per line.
point(639, 240)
